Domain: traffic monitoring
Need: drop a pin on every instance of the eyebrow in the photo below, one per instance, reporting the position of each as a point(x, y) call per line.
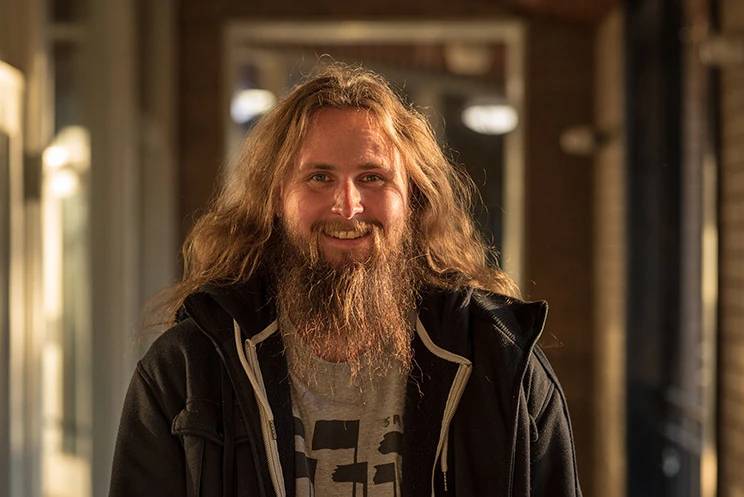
point(367, 166)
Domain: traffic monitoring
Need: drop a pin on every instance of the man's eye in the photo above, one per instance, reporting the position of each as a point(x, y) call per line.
point(319, 177)
point(371, 178)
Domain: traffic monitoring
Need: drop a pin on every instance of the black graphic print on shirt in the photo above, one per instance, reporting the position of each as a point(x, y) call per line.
point(352, 468)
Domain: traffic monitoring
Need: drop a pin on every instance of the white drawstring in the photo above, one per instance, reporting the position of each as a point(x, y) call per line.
point(253, 371)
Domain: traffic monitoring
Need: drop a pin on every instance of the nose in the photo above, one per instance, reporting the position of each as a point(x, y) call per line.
point(347, 200)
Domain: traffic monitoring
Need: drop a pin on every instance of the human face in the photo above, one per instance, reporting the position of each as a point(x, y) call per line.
point(347, 176)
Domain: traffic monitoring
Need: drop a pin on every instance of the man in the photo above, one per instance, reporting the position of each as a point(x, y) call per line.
point(340, 329)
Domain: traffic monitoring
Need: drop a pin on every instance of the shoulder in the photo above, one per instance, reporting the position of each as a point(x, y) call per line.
point(471, 314)
point(521, 324)
point(177, 345)
point(181, 362)
point(541, 385)
point(499, 334)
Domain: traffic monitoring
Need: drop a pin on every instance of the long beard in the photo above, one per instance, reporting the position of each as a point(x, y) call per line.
point(354, 310)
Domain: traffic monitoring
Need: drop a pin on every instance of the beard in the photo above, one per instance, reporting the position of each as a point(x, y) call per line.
point(356, 309)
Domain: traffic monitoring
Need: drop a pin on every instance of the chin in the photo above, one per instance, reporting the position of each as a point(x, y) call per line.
point(346, 257)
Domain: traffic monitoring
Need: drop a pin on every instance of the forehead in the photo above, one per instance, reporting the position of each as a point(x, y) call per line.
point(358, 118)
point(346, 134)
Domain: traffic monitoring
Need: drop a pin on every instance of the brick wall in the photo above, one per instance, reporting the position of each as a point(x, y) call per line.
point(610, 260)
point(731, 415)
point(559, 221)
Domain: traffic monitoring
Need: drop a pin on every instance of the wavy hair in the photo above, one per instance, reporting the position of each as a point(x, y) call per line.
point(226, 244)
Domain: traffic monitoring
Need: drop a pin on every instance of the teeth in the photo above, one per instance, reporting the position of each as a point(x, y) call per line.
point(347, 235)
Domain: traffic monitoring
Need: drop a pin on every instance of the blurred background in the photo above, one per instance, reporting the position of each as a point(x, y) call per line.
point(607, 139)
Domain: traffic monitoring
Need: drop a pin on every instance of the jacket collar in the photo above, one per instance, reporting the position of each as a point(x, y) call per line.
point(249, 303)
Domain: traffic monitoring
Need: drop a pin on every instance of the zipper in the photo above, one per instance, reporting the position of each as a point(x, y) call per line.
point(267, 428)
point(464, 367)
point(249, 360)
point(453, 401)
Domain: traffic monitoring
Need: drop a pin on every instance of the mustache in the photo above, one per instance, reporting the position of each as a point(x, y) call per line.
point(318, 228)
point(354, 225)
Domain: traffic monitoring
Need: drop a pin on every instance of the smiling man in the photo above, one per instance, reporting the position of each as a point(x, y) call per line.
point(340, 329)
point(344, 219)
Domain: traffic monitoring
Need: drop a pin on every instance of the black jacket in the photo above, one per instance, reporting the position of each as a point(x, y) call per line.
point(192, 422)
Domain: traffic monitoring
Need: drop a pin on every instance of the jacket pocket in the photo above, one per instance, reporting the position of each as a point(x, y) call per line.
point(199, 426)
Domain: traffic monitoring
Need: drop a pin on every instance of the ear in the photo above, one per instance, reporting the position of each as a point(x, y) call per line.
point(277, 203)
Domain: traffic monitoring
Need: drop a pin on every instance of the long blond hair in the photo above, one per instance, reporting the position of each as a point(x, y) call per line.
point(225, 246)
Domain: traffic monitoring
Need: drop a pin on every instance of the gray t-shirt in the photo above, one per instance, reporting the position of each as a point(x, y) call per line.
point(347, 437)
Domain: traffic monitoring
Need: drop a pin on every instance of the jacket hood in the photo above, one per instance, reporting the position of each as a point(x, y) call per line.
point(518, 323)
point(248, 303)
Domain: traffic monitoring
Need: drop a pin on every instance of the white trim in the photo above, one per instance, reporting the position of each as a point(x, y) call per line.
point(436, 349)
point(242, 32)
point(266, 333)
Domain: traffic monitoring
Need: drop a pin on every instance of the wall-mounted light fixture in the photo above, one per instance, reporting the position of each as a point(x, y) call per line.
point(582, 140)
point(247, 104)
point(65, 160)
point(71, 147)
point(722, 50)
point(490, 116)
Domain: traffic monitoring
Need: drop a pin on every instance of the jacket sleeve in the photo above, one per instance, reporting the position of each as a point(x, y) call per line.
point(552, 469)
point(148, 459)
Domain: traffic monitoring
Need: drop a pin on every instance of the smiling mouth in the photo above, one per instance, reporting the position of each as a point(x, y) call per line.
point(346, 234)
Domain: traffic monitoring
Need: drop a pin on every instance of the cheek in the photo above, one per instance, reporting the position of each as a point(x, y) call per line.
point(394, 208)
point(296, 212)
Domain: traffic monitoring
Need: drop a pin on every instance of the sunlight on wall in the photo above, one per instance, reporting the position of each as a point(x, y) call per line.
point(66, 439)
